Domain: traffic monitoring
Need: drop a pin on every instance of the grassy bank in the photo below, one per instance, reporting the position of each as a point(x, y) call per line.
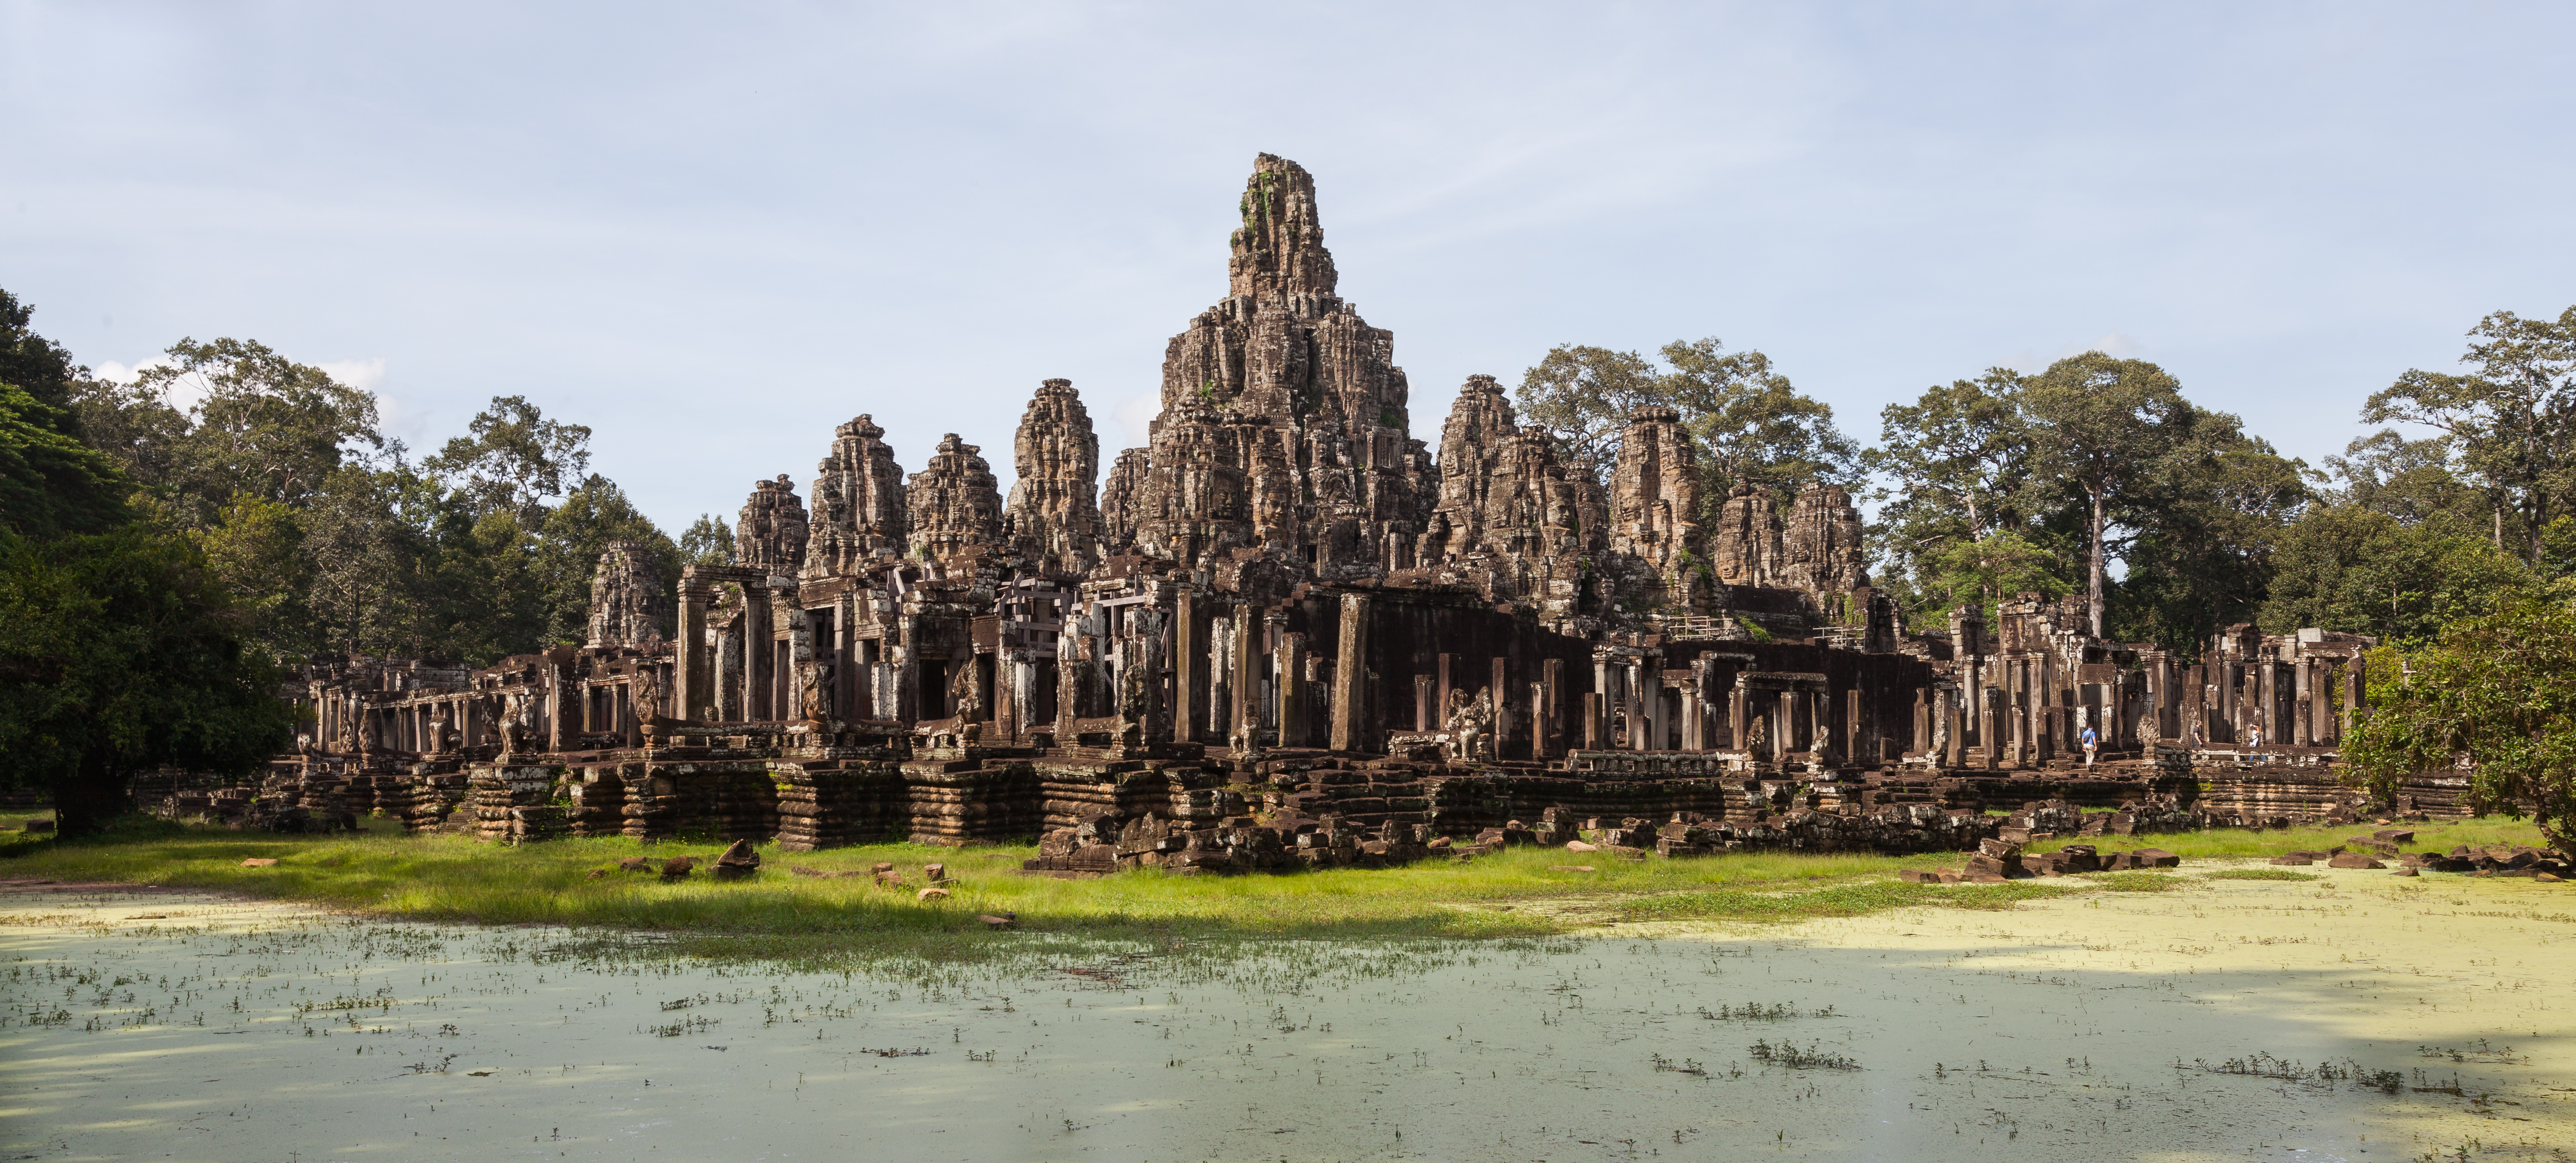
point(1522, 892)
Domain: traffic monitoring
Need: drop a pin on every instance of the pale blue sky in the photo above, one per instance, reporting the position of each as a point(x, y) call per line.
point(712, 232)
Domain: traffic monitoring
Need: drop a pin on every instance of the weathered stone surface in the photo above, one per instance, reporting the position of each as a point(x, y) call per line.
point(859, 514)
point(626, 597)
point(1821, 546)
point(1121, 497)
point(1052, 518)
point(1745, 548)
point(1654, 505)
point(771, 531)
point(1284, 417)
point(955, 505)
point(1287, 601)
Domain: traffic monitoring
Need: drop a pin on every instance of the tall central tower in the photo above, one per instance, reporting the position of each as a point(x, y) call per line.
point(1284, 423)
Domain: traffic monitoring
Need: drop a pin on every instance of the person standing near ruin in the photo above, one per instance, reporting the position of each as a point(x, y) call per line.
point(2092, 743)
point(2253, 738)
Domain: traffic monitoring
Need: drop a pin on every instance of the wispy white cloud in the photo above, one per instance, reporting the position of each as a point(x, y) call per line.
point(1136, 418)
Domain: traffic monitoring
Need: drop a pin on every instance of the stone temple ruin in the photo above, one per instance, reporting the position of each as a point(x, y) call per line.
point(1288, 632)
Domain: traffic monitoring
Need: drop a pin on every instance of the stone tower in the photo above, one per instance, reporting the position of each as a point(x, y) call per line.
point(1053, 517)
point(1284, 384)
point(1822, 545)
point(1745, 548)
point(625, 597)
point(955, 505)
point(1120, 498)
point(771, 531)
point(1654, 502)
point(858, 502)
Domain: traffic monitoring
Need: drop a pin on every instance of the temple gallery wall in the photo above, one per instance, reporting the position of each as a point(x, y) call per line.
point(1290, 632)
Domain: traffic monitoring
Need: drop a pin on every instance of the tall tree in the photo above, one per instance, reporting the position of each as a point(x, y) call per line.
point(707, 541)
point(2202, 555)
point(120, 652)
point(2357, 569)
point(568, 554)
point(263, 425)
point(514, 459)
point(2498, 691)
point(2103, 429)
point(1751, 425)
point(1954, 522)
point(2409, 480)
point(39, 366)
point(2510, 423)
point(1584, 394)
point(52, 484)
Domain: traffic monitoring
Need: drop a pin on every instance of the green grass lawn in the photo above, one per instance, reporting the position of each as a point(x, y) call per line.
point(1520, 892)
point(2246, 843)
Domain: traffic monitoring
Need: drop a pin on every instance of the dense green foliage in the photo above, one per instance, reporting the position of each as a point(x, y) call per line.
point(1751, 426)
point(269, 521)
point(169, 547)
point(120, 652)
point(331, 540)
point(2010, 484)
point(2497, 691)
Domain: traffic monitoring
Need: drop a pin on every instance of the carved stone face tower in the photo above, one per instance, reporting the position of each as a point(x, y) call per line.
point(859, 513)
point(771, 531)
point(1283, 396)
point(1052, 517)
point(625, 597)
point(955, 504)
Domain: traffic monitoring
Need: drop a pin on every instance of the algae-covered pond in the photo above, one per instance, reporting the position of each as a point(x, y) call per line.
point(2352, 1017)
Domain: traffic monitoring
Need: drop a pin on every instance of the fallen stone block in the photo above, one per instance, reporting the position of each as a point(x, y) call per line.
point(932, 894)
point(1572, 868)
point(1570, 846)
point(1000, 920)
point(636, 864)
point(259, 862)
point(801, 870)
point(2354, 860)
point(678, 867)
point(2298, 859)
point(2154, 858)
point(739, 862)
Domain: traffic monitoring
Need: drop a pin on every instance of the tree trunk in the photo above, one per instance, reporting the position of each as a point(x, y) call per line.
point(86, 800)
point(2094, 595)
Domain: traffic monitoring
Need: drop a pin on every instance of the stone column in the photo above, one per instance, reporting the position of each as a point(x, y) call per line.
point(1290, 665)
point(693, 684)
point(1189, 665)
point(1735, 711)
point(1350, 677)
point(1633, 705)
point(1426, 697)
point(1502, 725)
point(1447, 671)
point(757, 651)
point(1596, 722)
point(1854, 724)
point(2301, 714)
point(1650, 681)
point(1244, 697)
point(1691, 717)
point(1547, 729)
point(562, 725)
